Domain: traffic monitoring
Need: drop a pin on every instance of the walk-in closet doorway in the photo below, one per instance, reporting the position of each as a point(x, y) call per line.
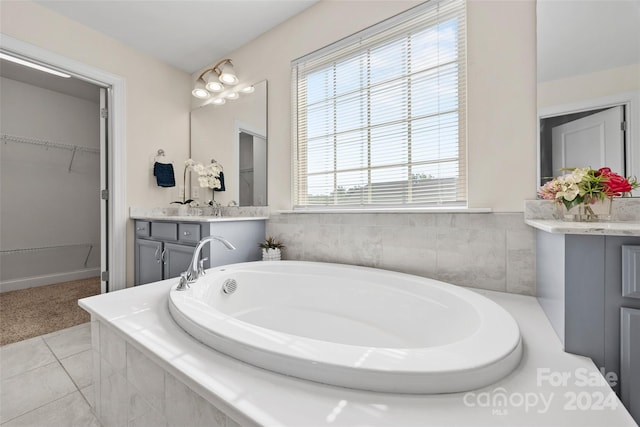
point(62, 194)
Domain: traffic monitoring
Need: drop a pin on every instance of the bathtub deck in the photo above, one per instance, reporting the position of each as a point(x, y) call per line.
point(550, 387)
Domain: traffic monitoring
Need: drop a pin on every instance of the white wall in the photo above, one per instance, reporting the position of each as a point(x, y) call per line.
point(158, 96)
point(585, 87)
point(491, 251)
point(501, 90)
point(42, 203)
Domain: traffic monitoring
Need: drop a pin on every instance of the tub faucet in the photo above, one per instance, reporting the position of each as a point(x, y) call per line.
point(194, 270)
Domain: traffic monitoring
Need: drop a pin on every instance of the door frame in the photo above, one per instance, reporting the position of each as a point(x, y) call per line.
point(631, 102)
point(240, 126)
point(116, 150)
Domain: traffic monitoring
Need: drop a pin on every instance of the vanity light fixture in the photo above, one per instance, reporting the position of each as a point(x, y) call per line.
point(214, 79)
point(218, 101)
point(34, 65)
point(232, 95)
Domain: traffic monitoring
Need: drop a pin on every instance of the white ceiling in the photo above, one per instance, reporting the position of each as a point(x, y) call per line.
point(69, 86)
point(584, 36)
point(187, 34)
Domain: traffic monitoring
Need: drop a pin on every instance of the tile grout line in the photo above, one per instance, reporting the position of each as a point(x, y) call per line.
point(54, 400)
point(77, 389)
point(69, 375)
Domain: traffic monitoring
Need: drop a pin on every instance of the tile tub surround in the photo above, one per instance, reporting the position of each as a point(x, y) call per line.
point(200, 382)
point(494, 251)
point(48, 381)
point(133, 390)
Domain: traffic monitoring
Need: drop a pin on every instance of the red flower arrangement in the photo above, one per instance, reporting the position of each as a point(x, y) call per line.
point(614, 184)
point(587, 186)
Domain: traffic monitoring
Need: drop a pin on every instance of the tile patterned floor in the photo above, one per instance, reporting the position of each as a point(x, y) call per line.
point(46, 381)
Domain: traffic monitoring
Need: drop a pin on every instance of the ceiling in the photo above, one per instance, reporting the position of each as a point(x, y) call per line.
point(184, 33)
point(580, 37)
point(187, 34)
point(69, 86)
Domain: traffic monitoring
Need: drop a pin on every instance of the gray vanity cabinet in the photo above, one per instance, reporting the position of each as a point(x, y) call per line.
point(163, 249)
point(588, 286)
point(158, 260)
point(149, 267)
point(630, 360)
point(176, 259)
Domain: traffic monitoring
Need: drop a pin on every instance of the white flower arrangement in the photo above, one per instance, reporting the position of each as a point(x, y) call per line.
point(209, 175)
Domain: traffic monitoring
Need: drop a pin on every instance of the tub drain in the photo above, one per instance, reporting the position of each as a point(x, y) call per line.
point(229, 286)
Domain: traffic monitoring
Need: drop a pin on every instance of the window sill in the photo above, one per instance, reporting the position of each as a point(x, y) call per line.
point(448, 209)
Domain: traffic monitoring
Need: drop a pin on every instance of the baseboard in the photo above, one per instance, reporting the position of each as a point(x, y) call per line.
point(49, 279)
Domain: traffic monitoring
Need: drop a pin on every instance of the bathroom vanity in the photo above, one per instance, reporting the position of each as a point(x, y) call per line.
point(164, 242)
point(588, 284)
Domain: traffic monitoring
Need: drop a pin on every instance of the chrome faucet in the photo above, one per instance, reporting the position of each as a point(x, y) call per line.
point(197, 268)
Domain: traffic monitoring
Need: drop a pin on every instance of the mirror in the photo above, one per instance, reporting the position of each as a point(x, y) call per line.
point(588, 56)
point(235, 135)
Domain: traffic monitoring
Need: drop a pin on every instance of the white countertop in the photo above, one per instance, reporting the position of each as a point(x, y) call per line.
point(197, 218)
point(627, 228)
point(141, 316)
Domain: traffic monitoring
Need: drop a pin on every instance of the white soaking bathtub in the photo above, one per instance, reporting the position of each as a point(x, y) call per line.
point(349, 326)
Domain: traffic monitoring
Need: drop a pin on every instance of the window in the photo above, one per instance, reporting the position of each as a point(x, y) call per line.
point(379, 117)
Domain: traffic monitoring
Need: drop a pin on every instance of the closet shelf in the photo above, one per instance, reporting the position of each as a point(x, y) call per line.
point(49, 144)
point(44, 248)
point(45, 143)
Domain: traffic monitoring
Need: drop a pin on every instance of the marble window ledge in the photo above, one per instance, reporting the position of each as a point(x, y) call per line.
point(448, 209)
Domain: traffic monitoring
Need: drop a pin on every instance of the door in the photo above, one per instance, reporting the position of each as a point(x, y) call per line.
point(594, 141)
point(149, 261)
point(177, 259)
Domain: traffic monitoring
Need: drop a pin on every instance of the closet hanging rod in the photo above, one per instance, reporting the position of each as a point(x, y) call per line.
point(42, 248)
point(48, 144)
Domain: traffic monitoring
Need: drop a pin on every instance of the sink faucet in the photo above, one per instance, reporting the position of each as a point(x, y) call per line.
point(195, 269)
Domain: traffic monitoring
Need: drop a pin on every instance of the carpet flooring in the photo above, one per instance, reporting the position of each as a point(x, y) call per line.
point(28, 313)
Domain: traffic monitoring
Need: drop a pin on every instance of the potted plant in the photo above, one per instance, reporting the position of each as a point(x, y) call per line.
point(271, 249)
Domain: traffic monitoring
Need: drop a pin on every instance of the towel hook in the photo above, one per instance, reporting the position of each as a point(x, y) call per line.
point(160, 153)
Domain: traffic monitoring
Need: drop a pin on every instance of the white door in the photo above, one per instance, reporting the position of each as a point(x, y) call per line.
point(104, 207)
point(594, 141)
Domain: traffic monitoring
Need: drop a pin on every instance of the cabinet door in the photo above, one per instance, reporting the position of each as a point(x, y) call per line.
point(148, 261)
point(176, 259)
point(630, 361)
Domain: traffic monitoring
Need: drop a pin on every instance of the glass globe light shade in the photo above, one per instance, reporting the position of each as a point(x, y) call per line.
point(213, 85)
point(199, 91)
point(227, 75)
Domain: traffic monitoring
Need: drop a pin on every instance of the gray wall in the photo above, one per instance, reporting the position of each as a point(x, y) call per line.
point(43, 203)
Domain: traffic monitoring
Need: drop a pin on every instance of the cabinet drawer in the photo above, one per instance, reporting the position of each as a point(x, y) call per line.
point(189, 233)
point(142, 228)
point(164, 230)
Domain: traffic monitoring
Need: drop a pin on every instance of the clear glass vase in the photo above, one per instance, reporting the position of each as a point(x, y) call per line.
point(589, 212)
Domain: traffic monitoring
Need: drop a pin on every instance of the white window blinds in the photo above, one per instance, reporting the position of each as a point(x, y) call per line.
point(379, 117)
